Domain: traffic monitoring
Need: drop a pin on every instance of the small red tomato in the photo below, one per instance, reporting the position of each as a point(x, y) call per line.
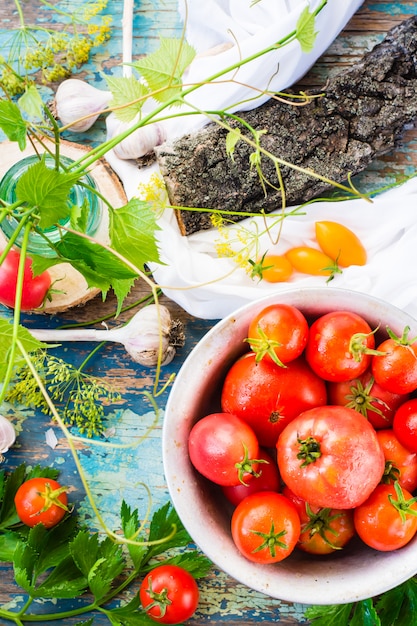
point(405, 424)
point(364, 395)
point(396, 368)
point(41, 501)
point(268, 396)
point(265, 527)
point(400, 463)
point(323, 530)
point(169, 594)
point(279, 333)
point(34, 288)
point(224, 449)
point(331, 457)
point(387, 520)
point(267, 480)
point(339, 346)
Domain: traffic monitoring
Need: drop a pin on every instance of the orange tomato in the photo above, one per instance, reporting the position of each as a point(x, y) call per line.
point(311, 261)
point(278, 269)
point(340, 244)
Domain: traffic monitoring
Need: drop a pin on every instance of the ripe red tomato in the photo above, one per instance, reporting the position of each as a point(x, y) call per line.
point(268, 396)
point(400, 463)
point(323, 530)
point(405, 424)
point(365, 395)
point(387, 520)
point(265, 527)
point(34, 288)
point(267, 480)
point(169, 594)
point(331, 457)
point(396, 369)
point(339, 346)
point(41, 501)
point(224, 449)
point(278, 333)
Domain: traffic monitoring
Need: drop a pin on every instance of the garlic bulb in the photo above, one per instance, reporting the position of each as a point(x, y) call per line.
point(150, 330)
point(139, 142)
point(7, 435)
point(79, 104)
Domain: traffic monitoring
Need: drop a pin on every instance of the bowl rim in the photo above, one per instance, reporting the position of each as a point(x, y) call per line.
point(326, 582)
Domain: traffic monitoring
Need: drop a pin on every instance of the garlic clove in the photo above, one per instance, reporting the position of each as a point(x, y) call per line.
point(75, 99)
point(150, 326)
point(7, 434)
point(139, 142)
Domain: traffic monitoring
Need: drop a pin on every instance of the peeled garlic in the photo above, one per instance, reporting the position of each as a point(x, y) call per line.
point(7, 435)
point(76, 99)
point(150, 331)
point(139, 142)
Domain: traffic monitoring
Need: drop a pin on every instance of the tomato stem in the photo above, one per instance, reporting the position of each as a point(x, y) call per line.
point(264, 345)
point(402, 505)
point(247, 466)
point(309, 451)
point(270, 540)
point(159, 599)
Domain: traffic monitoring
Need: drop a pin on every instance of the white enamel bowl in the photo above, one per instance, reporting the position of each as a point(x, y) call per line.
point(355, 573)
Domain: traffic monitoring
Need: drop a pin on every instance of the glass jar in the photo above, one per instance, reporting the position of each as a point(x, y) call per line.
point(77, 196)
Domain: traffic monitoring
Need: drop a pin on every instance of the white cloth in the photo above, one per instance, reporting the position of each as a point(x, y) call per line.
point(193, 275)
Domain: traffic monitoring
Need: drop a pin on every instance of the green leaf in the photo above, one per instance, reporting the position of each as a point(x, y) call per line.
point(29, 343)
point(31, 102)
point(79, 216)
point(48, 190)
point(306, 34)
point(399, 606)
point(121, 290)
point(364, 614)
point(24, 566)
point(130, 524)
point(8, 544)
point(163, 522)
point(197, 564)
point(100, 562)
point(135, 222)
point(164, 68)
point(12, 123)
point(125, 90)
point(232, 137)
point(64, 581)
point(329, 615)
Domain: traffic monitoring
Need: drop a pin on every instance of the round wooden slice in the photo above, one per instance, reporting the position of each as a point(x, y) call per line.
point(72, 286)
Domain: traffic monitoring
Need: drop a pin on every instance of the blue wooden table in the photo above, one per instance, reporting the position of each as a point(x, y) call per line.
point(114, 474)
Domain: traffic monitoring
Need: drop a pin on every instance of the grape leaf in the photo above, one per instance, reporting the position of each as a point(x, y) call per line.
point(126, 90)
point(135, 222)
point(306, 35)
point(12, 123)
point(48, 190)
point(29, 343)
point(163, 69)
point(31, 102)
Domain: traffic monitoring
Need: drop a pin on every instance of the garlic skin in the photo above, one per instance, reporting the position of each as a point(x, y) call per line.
point(150, 331)
point(139, 142)
point(75, 99)
point(7, 435)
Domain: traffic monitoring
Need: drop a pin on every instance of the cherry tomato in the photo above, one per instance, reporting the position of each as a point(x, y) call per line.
point(311, 261)
point(34, 288)
point(400, 463)
point(267, 480)
point(278, 333)
point(365, 395)
point(339, 346)
point(169, 594)
point(323, 530)
point(405, 424)
point(224, 449)
point(268, 396)
point(276, 268)
point(331, 457)
point(387, 520)
point(41, 501)
point(265, 527)
point(396, 368)
point(340, 243)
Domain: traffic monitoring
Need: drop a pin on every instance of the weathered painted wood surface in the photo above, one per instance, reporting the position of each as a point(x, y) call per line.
point(115, 473)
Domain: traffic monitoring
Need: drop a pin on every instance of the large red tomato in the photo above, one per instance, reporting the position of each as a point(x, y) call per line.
point(395, 368)
point(400, 463)
point(331, 457)
point(339, 346)
point(268, 396)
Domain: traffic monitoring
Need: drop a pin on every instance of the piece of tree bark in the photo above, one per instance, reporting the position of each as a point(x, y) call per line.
point(361, 115)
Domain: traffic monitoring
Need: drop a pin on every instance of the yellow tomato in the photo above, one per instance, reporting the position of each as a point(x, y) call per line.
point(278, 269)
point(340, 243)
point(311, 261)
